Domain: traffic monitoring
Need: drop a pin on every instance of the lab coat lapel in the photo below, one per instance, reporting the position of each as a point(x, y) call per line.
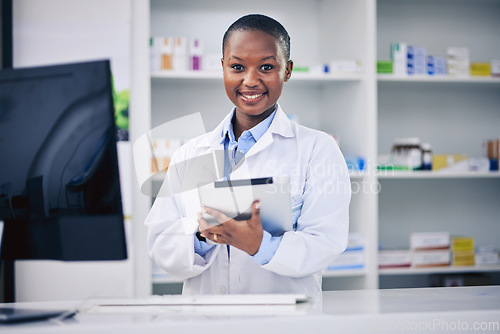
point(281, 125)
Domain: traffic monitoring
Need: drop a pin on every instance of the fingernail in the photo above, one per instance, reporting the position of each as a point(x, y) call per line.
point(204, 210)
point(257, 206)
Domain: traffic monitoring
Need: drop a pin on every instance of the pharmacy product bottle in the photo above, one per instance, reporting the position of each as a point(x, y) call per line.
point(180, 54)
point(415, 154)
point(167, 50)
point(195, 55)
point(426, 156)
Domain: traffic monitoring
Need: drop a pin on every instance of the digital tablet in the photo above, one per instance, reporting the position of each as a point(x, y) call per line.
point(235, 197)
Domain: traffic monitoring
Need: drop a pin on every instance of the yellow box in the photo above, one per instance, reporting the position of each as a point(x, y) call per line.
point(461, 244)
point(465, 258)
point(480, 69)
point(445, 160)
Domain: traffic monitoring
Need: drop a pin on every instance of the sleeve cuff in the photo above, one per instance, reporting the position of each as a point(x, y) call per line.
point(201, 247)
point(268, 247)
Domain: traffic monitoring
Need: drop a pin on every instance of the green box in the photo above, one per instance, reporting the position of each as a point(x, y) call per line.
point(384, 66)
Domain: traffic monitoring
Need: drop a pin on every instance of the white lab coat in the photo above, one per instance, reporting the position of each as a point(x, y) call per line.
point(319, 182)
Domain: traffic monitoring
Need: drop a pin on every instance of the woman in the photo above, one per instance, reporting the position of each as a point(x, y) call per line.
point(237, 257)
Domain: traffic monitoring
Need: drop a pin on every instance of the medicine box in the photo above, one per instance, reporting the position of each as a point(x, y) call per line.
point(345, 66)
point(349, 260)
point(495, 68)
point(439, 65)
point(394, 258)
point(429, 241)
point(480, 69)
point(399, 55)
point(462, 244)
point(385, 66)
point(431, 258)
point(463, 258)
point(486, 258)
point(420, 60)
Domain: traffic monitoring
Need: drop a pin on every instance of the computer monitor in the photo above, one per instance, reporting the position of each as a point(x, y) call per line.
point(59, 184)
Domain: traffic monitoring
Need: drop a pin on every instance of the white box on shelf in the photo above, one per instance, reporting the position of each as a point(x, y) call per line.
point(397, 258)
point(431, 258)
point(349, 260)
point(399, 58)
point(495, 68)
point(486, 258)
point(429, 240)
point(345, 66)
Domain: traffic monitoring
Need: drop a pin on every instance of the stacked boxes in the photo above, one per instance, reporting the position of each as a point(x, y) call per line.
point(430, 249)
point(458, 62)
point(463, 251)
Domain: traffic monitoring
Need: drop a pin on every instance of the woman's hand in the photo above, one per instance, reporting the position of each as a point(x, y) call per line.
point(245, 234)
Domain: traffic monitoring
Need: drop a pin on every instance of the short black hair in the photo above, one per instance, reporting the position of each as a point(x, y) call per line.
point(262, 23)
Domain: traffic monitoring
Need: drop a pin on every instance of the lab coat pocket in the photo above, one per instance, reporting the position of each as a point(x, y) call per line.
point(296, 209)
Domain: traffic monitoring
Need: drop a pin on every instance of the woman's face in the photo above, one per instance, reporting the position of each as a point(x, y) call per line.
point(254, 68)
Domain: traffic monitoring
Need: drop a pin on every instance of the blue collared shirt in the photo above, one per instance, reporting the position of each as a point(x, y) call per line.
point(234, 152)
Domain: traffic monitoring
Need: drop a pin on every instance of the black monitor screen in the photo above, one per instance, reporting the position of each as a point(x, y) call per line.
point(59, 183)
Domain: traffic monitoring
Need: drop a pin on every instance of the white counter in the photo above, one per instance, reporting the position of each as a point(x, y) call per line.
point(454, 310)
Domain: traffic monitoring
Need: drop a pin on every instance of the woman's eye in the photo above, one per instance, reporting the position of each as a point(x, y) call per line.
point(267, 67)
point(237, 67)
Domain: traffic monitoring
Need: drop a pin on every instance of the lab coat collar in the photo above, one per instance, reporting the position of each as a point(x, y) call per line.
point(281, 125)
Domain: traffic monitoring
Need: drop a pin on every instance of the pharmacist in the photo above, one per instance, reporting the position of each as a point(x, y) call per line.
point(239, 257)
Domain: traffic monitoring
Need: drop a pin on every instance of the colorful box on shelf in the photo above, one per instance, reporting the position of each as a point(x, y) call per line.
point(463, 258)
point(416, 60)
point(384, 66)
point(462, 251)
point(356, 164)
point(440, 161)
point(462, 244)
point(354, 255)
point(394, 258)
point(482, 69)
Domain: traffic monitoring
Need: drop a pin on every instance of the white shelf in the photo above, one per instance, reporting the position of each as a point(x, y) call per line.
point(436, 175)
point(437, 79)
point(439, 270)
point(217, 75)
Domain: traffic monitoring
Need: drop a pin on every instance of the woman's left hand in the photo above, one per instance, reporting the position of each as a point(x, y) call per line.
point(244, 234)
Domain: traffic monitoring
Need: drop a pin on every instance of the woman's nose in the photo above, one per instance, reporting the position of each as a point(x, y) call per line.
point(251, 78)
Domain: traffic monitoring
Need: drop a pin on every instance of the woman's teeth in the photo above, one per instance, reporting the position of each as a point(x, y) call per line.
point(252, 97)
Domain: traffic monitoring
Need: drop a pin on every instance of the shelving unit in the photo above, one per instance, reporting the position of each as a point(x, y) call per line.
point(366, 110)
point(462, 111)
